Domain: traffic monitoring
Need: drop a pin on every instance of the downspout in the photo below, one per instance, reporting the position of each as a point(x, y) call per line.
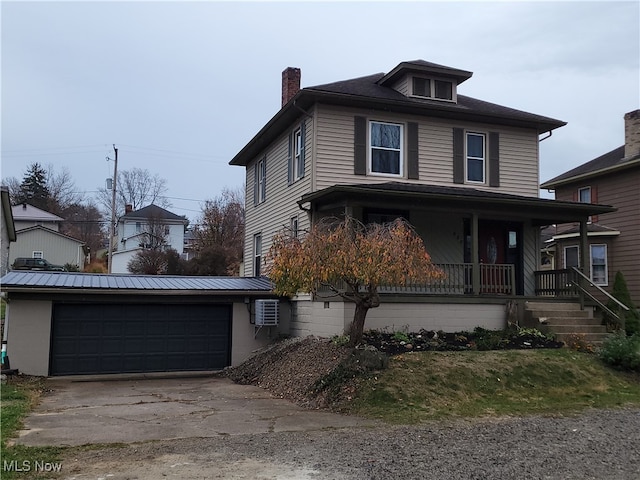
point(544, 138)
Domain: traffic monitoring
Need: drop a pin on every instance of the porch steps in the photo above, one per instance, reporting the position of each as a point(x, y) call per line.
point(564, 319)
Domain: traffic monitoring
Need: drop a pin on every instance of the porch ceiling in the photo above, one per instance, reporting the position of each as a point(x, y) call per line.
point(540, 211)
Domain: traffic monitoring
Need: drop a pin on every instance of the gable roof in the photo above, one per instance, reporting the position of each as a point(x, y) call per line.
point(132, 284)
point(611, 161)
point(372, 92)
point(27, 212)
point(155, 212)
point(49, 231)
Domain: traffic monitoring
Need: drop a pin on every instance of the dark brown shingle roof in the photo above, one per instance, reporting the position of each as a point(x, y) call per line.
point(613, 159)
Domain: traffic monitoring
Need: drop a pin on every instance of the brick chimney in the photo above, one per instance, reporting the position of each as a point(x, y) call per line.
point(290, 84)
point(128, 208)
point(632, 134)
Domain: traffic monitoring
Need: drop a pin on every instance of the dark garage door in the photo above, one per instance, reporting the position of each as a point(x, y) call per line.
point(128, 338)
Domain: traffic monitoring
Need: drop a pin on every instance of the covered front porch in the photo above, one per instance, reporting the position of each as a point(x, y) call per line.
point(487, 243)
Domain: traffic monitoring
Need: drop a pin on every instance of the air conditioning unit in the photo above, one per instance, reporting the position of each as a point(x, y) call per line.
point(266, 313)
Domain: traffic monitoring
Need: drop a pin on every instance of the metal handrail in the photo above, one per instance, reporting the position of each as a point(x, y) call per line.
point(598, 302)
point(599, 288)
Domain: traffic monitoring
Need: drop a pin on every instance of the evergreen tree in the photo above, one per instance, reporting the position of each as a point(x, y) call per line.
point(33, 189)
point(621, 293)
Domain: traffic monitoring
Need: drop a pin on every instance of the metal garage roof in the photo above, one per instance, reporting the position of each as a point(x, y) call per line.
point(29, 280)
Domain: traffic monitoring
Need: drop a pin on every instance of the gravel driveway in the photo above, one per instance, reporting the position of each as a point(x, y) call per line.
point(597, 444)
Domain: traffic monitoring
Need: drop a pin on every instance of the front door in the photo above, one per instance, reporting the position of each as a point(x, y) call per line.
point(499, 243)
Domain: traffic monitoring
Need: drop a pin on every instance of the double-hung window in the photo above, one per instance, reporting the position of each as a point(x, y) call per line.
point(260, 181)
point(476, 156)
point(37, 254)
point(599, 265)
point(584, 195)
point(385, 147)
point(298, 158)
point(257, 254)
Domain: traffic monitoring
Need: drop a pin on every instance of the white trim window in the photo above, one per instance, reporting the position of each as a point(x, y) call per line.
point(260, 181)
point(385, 148)
point(571, 256)
point(476, 154)
point(37, 254)
point(584, 195)
point(298, 159)
point(599, 264)
point(257, 254)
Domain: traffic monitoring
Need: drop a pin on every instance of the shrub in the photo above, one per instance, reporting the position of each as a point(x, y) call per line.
point(622, 351)
point(632, 316)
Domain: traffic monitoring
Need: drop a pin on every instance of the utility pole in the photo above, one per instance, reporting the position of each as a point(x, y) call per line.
point(113, 208)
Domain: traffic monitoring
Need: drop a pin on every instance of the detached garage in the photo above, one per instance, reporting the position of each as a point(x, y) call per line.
point(87, 324)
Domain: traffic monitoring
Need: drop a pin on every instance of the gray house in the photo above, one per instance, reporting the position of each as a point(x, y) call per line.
point(408, 143)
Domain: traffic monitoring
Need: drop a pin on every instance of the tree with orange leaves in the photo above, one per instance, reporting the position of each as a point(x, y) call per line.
point(349, 259)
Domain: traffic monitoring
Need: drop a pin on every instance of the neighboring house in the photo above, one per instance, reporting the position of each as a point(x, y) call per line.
point(55, 247)
point(26, 216)
point(38, 236)
point(151, 227)
point(407, 143)
point(7, 225)
point(613, 237)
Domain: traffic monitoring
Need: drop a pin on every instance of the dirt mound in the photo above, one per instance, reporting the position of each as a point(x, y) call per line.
point(289, 368)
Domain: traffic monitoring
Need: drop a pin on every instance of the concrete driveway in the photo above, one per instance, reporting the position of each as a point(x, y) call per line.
point(108, 411)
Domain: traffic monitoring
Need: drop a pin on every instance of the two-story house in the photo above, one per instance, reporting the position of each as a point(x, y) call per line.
point(613, 237)
point(151, 227)
point(407, 143)
point(38, 236)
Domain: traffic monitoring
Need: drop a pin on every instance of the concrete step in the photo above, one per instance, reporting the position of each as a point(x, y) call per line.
point(534, 305)
point(559, 313)
point(568, 321)
point(580, 329)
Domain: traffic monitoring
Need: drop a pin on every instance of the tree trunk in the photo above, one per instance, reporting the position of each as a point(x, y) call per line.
point(357, 325)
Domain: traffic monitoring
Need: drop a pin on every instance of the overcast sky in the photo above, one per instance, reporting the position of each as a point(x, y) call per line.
point(181, 87)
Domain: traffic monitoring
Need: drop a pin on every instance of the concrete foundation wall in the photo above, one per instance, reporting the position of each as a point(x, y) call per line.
point(328, 319)
point(29, 331)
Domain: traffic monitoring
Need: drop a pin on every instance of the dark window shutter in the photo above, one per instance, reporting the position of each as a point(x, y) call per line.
point(412, 154)
point(303, 137)
point(494, 159)
point(255, 183)
point(290, 159)
point(360, 146)
point(458, 155)
point(594, 199)
point(264, 179)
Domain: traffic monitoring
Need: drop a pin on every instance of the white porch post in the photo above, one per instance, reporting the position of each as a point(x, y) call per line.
point(475, 257)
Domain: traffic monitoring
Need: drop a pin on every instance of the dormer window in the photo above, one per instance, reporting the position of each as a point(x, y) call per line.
point(432, 88)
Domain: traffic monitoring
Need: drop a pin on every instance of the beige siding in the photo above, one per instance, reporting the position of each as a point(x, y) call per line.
point(443, 236)
point(280, 206)
point(29, 331)
point(56, 248)
point(334, 152)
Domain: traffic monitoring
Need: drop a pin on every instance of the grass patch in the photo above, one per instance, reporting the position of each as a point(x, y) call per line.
point(19, 461)
point(422, 386)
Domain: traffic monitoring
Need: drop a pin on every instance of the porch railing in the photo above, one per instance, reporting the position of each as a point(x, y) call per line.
point(555, 283)
point(493, 279)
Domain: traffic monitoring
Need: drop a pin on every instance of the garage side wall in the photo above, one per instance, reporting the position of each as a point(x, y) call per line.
point(245, 340)
point(29, 331)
